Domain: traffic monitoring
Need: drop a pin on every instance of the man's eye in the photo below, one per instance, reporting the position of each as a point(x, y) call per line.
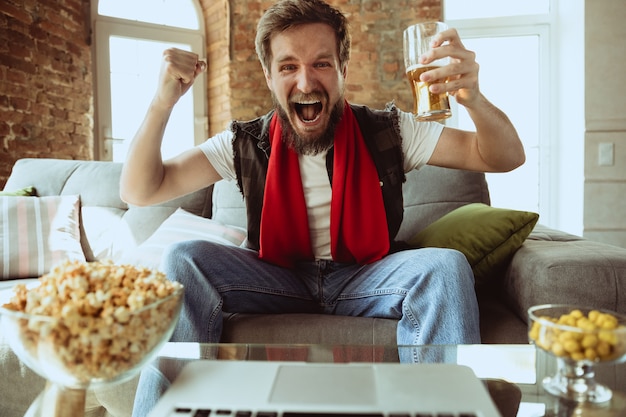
point(287, 67)
point(322, 65)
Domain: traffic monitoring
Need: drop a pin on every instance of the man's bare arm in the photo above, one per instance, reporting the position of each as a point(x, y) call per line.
point(495, 146)
point(146, 179)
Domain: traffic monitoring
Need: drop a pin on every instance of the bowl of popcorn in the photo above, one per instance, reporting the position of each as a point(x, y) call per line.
point(579, 338)
point(86, 324)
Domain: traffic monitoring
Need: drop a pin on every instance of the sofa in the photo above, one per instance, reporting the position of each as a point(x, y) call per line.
point(519, 264)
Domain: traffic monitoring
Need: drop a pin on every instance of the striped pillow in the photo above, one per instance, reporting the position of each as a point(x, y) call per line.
point(36, 233)
point(180, 226)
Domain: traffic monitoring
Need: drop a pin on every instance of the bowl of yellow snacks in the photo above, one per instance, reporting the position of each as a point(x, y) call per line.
point(580, 339)
point(87, 324)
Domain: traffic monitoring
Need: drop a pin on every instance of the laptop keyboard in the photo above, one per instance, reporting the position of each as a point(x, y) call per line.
point(188, 412)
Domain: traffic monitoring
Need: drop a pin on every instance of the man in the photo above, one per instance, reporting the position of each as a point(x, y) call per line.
point(309, 171)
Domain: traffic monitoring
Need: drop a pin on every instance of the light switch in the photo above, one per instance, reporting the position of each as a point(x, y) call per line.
point(605, 154)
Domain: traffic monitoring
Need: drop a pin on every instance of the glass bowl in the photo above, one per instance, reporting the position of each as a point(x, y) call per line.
point(580, 338)
point(77, 352)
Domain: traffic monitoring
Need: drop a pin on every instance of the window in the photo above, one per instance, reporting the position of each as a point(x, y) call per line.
point(130, 40)
point(175, 13)
point(463, 9)
point(519, 46)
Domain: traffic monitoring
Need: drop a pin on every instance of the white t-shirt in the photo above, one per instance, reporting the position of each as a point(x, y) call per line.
point(418, 143)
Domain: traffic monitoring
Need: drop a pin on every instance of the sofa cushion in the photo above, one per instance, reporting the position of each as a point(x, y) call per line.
point(181, 226)
point(552, 268)
point(109, 226)
point(429, 193)
point(38, 232)
point(228, 204)
point(487, 236)
point(325, 329)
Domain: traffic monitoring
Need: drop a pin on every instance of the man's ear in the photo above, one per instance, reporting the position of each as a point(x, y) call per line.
point(268, 78)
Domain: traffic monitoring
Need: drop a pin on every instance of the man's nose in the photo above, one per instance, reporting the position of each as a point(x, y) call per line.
point(306, 80)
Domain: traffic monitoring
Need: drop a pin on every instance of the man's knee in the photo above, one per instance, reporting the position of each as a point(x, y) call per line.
point(458, 260)
point(181, 255)
point(450, 262)
point(179, 249)
point(452, 256)
point(446, 256)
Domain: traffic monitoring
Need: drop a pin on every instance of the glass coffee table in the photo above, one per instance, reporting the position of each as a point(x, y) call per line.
point(512, 373)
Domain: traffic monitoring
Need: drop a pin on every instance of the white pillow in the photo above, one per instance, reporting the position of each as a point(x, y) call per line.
point(36, 233)
point(182, 226)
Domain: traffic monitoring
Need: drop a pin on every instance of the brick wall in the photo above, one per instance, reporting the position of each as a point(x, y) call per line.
point(46, 100)
point(46, 83)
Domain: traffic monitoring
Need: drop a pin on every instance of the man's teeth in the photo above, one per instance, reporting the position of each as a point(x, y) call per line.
point(311, 120)
point(309, 111)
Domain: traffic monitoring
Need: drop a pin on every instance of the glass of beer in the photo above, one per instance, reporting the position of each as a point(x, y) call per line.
point(427, 105)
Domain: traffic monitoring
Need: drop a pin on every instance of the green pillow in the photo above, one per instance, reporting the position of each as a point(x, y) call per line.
point(24, 192)
point(487, 236)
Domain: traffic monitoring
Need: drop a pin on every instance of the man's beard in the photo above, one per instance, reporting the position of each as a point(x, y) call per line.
point(311, 146)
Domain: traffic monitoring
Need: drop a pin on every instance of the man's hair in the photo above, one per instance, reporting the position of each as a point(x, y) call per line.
point(286, 14)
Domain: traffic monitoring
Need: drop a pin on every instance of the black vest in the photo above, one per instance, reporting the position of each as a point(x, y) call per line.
point(381, 132)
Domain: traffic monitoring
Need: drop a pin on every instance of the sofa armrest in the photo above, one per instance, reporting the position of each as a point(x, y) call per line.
point(556, 267)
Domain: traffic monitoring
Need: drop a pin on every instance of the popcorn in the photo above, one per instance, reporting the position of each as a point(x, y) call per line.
point(94, 320)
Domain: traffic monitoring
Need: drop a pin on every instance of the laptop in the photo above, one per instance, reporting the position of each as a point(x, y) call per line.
point(300, 389)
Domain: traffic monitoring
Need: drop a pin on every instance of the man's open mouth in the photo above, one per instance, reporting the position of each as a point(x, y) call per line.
point(308, 112)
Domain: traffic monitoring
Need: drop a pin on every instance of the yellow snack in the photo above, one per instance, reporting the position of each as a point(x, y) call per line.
point(591, 354)
point(603, 349)
point(589, 341)
point(576, 314)
point(596, 336)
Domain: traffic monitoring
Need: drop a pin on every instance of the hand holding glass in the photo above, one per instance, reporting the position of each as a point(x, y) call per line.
point(417, 40)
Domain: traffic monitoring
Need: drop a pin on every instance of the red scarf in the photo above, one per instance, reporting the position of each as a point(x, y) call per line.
point(358, 221)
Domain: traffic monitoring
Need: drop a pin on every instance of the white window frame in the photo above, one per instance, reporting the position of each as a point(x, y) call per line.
point(105, 27)
point(561, 122)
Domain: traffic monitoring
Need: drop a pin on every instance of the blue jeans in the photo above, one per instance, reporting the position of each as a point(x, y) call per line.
point(430, 291)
